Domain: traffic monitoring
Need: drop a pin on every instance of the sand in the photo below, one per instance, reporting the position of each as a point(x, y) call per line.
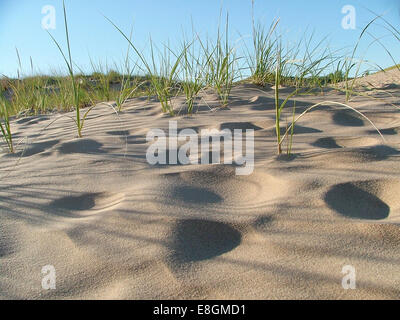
point(115, 227)
point(389, 79)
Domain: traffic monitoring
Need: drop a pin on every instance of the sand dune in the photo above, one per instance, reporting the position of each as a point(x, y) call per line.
point(115, 227)
point(388, 80)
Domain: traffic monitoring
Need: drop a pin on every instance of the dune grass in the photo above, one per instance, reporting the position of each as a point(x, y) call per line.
point(127, 82)
point(350, 63)
point(302, 71)
point(38, 94)
point(5, 125)
point(289, 130)
point(103, 77)
point(221, 67)
point(396, 35)
point(163, 77)
point(194, 66)
point(75, 83)
point(170, 72)
point(261, 61)
point(279, 106)
point(302, 68)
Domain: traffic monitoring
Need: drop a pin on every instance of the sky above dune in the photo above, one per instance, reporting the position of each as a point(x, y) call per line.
point(93, 37)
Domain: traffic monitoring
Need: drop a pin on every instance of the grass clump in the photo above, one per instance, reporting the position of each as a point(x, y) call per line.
point(261, 61)
point(188, 70)
point(127, 82)
point(301, 72)
point(300, 67)
point(163, 77)
point(75, 83)
point(193, 71)
point(102, 78)
point(5, 125)
point(221, 64)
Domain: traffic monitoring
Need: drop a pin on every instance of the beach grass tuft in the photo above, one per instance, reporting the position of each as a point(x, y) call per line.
point(5, 125)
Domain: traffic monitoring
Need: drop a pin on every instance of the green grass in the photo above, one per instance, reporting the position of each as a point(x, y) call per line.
point(197, 64)
point(302, 67)
point(75, 82)
point(261, 61)
point(39, 94)
point(5, 127)
point(193, 66)
point(128, 84)
point(290, 128)
point(163, 76)
point(221, 69)
point(300, 71)
point(187, 70)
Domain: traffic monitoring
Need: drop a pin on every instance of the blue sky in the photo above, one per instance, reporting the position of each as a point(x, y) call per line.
point(91, 34)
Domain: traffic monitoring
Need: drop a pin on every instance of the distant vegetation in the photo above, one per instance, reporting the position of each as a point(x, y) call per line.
point(397, 66)
point(189, 69)
point(43, 94)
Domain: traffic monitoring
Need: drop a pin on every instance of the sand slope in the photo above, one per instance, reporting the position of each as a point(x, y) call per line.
point(115, 227)
point(386, 80)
